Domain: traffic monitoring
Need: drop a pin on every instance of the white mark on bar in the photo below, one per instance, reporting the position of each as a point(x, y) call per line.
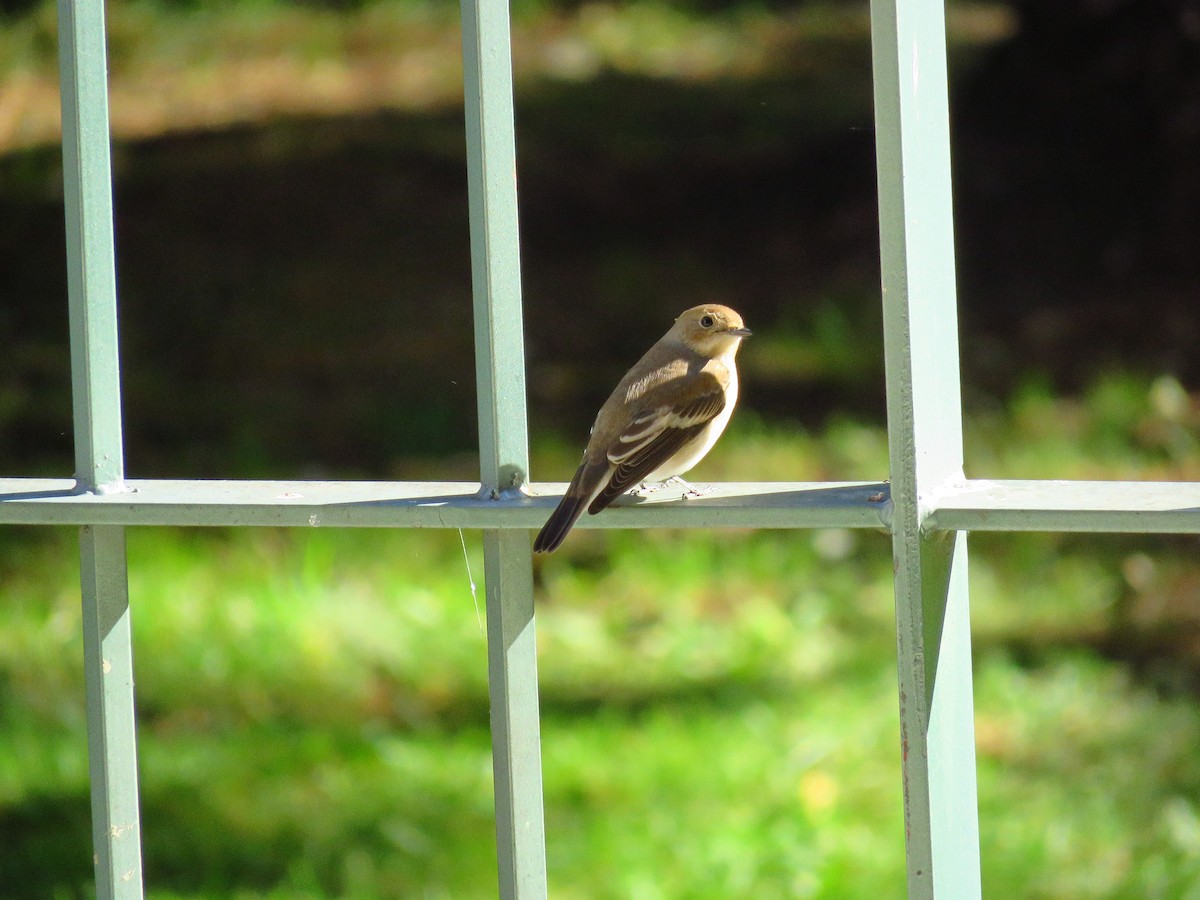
point(127, 876)
point(105, 666)
point(116, 832)
point(314, 520)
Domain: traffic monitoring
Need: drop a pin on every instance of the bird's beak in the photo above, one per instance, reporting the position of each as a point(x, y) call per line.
point(740, 332)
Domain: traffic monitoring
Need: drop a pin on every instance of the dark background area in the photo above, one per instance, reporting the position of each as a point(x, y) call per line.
point(317, 270)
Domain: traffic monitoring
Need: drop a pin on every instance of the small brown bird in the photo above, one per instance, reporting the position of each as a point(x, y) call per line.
point(663, 417)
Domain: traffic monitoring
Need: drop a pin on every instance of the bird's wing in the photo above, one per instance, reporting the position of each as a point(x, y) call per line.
point(656, 434)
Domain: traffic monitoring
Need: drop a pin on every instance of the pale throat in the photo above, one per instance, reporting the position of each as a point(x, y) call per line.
point(695, 451)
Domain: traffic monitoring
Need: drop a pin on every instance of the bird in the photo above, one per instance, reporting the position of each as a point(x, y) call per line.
point(661, 419)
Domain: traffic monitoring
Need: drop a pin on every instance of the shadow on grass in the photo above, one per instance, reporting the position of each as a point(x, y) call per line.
point(296, 296)
point(316, 271)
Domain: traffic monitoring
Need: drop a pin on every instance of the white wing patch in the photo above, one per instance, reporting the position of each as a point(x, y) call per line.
point(672, 370)
point(652, 423)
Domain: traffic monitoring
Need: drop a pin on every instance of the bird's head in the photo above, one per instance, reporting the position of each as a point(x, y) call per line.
point(711, 330)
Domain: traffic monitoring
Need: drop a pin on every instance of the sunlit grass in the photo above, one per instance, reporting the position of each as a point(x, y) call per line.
point(1123, 427)
point(187, 66)
point(718, 708)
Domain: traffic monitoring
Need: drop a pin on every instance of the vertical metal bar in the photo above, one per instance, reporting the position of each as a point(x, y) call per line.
point(503, 446)
point(925, 433)
point(91, 282)
point(112, 744)
point(91, 270)
point(516, 735)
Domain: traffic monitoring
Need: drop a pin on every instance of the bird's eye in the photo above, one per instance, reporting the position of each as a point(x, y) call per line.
point(707, 321)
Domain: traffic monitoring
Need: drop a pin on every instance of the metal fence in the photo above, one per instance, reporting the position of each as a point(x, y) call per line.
point(928, 507)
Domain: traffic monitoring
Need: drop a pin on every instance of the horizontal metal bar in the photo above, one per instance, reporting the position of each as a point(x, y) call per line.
point(975, 505)
point(1129, 507)
point(34, 501)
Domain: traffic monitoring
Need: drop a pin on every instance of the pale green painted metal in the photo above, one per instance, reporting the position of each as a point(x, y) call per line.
point(925, 437)
point(1130, 507)
point(112, 746)
point(425, 504)
point(1120, 507)
point(91, 270)
point(495, 248)
point(503, 446)
point(516, 724)
point(99, 465)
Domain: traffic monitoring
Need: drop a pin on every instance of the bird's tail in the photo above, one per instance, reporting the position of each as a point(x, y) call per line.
point(579, 494)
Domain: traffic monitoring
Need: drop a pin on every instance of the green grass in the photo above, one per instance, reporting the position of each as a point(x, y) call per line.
point(719, 712)
point(718, 709)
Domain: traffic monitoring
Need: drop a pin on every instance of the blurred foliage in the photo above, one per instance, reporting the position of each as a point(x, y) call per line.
point(718, 708)
point(719, 715)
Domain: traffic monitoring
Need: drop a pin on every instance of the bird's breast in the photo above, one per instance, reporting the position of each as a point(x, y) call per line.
point(698, 448)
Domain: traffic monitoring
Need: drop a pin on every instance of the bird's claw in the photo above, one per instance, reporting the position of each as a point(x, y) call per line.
point(690, 492)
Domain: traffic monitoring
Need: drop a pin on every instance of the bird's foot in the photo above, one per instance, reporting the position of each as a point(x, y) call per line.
point(691, 492)
point(646, 488)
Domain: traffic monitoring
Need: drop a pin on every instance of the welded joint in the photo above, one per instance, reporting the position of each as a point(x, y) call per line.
point(105, 489)
point(886, 508)
point(516, 488)
point(929, 502)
